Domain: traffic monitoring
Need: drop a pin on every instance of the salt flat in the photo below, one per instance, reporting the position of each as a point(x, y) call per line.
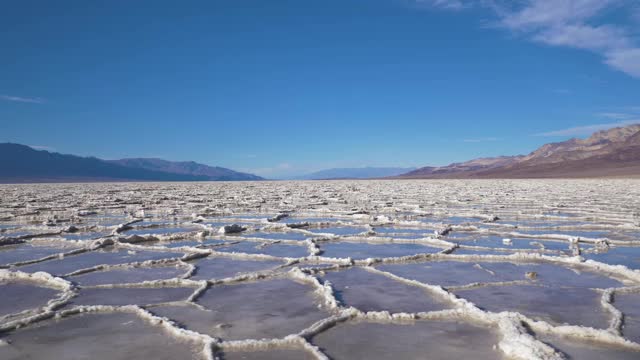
point(438, 269)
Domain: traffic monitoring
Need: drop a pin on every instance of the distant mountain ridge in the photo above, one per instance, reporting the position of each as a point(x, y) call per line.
point(186, 168)
point(355, 173)
point(21, 163)
point(613, 152)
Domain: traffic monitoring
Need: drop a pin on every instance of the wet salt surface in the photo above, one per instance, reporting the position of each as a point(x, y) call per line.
point(402, 291)
point(280, 250)
point(94, 336)
point(627, 256)
point(18, 297)
point(268, 355)
point(86, 235)
point(438, 340)
point(296, 220)
point(341, 230)
point(265, 309)
point(581, 350)
point(516, 243)
point(278, 235)
point(160, 230)
point(575, 306)
point(629, 304)
point(373, 292)
point(363, 250)
point(399, 230)
point(220, 268)
point(130, 296)
point(126, 276)
point(69, 264)
point(463, 251)
point(450, 273)
point(25, 252)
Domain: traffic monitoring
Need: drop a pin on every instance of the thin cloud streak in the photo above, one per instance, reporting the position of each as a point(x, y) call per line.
point(22, 99)
point(588, 129)
point(446, 4)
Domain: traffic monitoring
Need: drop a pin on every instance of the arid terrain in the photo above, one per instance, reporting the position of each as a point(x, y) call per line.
point(405, 269)
point(606, 153)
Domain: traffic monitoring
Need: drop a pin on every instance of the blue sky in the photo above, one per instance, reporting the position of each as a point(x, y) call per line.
point(288, 87)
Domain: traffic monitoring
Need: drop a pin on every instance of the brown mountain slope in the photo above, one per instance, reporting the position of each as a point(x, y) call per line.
point(600, 143)
point(463, 169)
point(613, 152)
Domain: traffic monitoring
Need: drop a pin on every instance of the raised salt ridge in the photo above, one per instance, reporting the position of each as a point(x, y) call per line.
point(321, 270)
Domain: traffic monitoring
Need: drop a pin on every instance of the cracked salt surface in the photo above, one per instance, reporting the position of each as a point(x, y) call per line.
point(69, 264)
point(112, 336)
point(10, 254)
point(629, 304)
point(130, 296)
point(18, 297)
point(618, 255)
point(325, 269)
point(556, 306)
point(372, 292)
point(268, 355)
point(581, 350)
point(451, 273)
point(418, 340)
point(364, 250)
point(266, 309)
point(220, 268)
point(279, 250)
point(497, 241)
point(279, 236)
point(127, 276)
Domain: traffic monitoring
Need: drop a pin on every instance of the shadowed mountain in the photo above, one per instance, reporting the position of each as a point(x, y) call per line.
point(185, 168)
point(21, 163)
point(613, 152)
point(354, 173)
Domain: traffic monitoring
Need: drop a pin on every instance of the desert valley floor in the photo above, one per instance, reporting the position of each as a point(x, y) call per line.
point(434, 269)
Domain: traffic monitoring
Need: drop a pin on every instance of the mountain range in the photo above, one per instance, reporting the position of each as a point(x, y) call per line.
point(21, 163)
point(607, 153)
point(613, 152)
point(185, 168)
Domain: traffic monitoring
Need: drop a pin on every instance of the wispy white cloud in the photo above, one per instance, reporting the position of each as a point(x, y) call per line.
point(447, 4)
point(534, 14)
point(22, 99)
point(482, 139)
point(441, 4)
point(627, 60)
point(587, 129)
point(593, 38)
point(574, 23)
point(569, 23)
